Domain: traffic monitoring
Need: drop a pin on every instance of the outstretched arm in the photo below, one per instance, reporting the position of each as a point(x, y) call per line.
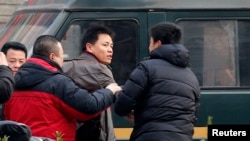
point(132, 91)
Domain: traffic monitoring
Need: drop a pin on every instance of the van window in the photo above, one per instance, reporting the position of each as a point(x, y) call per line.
point(25, 28)
point(219, 51)
point(125, 44)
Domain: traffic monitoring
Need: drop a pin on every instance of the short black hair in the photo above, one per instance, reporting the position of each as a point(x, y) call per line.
point(166, 32)
point(44, 45)
point(15, 46)
point(91, 35)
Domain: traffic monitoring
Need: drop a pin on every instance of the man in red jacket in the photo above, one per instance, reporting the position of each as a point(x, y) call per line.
point(48, 101)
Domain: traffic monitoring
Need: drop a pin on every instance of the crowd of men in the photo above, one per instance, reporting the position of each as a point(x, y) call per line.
point(74, 98)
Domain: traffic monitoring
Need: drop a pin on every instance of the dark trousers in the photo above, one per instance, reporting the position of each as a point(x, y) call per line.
point(89, 131)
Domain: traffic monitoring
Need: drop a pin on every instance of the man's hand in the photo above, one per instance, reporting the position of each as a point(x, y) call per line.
point(3, 60)
point(130, 116)
point(114, 88)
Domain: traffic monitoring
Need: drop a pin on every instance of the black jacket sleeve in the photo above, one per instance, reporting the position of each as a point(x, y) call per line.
point(6, 83)
point(132, 91)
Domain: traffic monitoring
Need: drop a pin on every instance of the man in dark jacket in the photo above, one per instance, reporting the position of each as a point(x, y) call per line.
point(162, 91)
point(48, 101)
point(91, 71)
point(6, 79)
point(16, 54)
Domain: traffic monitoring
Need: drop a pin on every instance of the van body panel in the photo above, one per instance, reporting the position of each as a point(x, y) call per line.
point(145, 4)
point(215, 31)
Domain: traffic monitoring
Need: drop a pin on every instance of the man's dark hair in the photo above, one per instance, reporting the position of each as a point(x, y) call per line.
point(166, 32)
point(15, 46)
point(91, 35)
point(44, 45)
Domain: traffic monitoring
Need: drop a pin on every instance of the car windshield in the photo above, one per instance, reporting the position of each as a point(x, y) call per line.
point(26, 27)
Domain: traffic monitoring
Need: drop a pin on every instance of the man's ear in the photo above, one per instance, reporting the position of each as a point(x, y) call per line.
point(51, 56)
point(88, 47)
point(159, 43)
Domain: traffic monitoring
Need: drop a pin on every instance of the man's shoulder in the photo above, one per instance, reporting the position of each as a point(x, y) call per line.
point(84, 58)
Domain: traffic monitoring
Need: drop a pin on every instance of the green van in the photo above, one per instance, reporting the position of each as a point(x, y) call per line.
point(217, 33)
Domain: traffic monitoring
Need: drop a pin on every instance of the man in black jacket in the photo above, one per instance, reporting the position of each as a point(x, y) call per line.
point(6, 79)
point(162, 91)
point(16, 55)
